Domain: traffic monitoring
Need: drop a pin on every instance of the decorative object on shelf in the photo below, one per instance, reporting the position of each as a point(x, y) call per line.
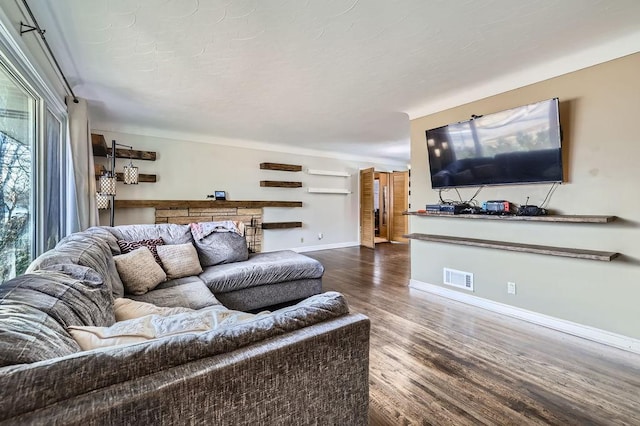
point(280, 184)
point(107, 183)
point(281, 167)
point(220, 195)
point(327, 173)
point(329, 190)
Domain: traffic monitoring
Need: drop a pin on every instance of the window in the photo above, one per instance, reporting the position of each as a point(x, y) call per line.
point(17, 141)
point(33, 166)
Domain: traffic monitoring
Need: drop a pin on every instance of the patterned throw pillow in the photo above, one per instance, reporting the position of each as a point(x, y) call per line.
point(129, 246)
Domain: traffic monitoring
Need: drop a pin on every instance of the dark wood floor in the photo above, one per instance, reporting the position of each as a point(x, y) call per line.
point(437, 361)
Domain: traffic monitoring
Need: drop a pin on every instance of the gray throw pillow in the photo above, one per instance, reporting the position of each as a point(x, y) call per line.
point(222, 247)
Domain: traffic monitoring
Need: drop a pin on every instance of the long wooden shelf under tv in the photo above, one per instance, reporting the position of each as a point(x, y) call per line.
point(519, 247)
point(547, 218)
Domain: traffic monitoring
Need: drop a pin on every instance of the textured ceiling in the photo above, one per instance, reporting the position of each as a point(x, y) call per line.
point(337, 75)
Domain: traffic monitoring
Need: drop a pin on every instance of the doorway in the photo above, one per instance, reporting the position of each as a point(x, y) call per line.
point(384, 196)
point(381, 207)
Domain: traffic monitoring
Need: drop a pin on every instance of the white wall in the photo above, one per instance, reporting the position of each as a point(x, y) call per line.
point(189, 170)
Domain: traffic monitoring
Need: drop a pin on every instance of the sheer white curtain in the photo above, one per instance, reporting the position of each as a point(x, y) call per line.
point(82, 211)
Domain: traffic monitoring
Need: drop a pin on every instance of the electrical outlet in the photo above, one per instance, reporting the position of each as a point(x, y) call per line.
point(511, 288)
point(320, 236)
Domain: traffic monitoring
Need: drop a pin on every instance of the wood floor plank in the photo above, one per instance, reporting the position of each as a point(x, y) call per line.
point(435, 361)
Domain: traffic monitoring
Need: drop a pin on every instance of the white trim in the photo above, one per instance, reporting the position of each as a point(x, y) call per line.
point(327, 173)
point(329, 190)
point(584, 331)
point(16, 50)
point(593, 55)
point(326, 247)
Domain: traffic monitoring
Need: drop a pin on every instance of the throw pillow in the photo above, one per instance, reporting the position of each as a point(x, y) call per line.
point(139, 271)
point(129, 246)
point(179, 260)
point(219, 242)
point(126, 309)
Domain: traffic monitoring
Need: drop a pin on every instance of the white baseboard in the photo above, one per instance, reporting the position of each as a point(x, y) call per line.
point(326, 246)
point(584, 331)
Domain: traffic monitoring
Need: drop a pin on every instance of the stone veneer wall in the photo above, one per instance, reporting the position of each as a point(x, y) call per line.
point(252, 219)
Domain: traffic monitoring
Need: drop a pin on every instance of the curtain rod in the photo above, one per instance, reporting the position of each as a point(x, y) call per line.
point(36, 28)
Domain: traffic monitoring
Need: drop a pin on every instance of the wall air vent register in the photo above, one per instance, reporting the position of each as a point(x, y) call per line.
point(457, 278)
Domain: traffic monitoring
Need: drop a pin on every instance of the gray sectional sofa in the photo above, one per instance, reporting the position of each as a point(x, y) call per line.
point(262, 280)
point(302, 364)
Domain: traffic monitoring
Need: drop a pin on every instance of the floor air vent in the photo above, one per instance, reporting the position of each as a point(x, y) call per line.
point(458, 278)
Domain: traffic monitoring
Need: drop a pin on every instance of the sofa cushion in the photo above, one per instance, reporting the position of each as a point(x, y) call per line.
point(188, 292)
point(85, 249)
point(151, 327)
point(261, 268)
point(219, 242)
point(36, 308)
point(102, 233)
point(129, 246)
point(250, 298)
point(169, 232)
point(29, 335)
point(139, 271)
point(126, 309)
point(179, 260)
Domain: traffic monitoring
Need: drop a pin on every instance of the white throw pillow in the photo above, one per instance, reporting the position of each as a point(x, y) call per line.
point(139, 271)
point(126, 309)
point(179, 260)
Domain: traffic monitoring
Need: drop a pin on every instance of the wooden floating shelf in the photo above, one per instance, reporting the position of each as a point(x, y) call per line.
point(329, 190)
point(281, 167)
point(213, 204)
point(523, 248)
point(100, 149)
point(142, 178)
point(547, 218)
point(280, 184)
point(327, 173)
point(281, 225)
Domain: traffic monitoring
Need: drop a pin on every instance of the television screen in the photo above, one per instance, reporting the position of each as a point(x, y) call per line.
point(519, 145)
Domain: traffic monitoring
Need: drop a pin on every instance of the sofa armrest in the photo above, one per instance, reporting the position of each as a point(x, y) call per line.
point(314, 375)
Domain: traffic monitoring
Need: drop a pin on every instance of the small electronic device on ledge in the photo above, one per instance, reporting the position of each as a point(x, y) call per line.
point(453, 208)
point(497, 207)
point(220, 195)
point(531, 210)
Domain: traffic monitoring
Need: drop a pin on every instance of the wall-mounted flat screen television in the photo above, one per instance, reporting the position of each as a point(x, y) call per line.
point(516, 146)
